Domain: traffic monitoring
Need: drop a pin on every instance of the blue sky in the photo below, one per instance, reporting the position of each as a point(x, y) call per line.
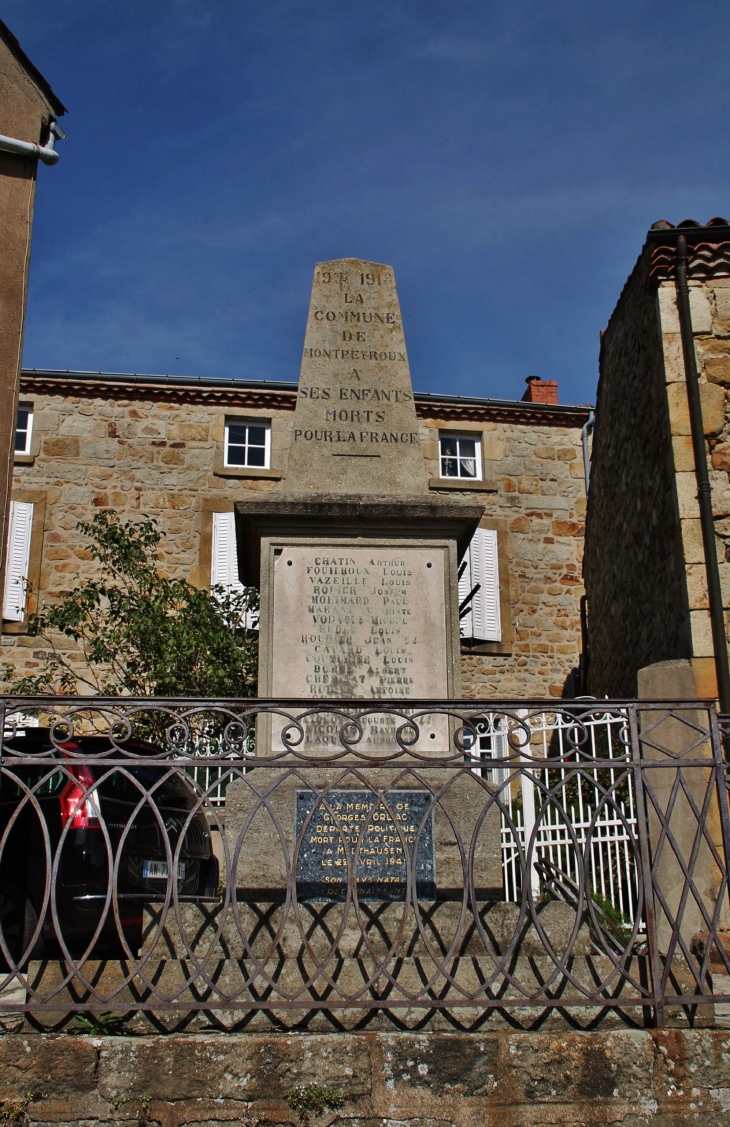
point(505, 158)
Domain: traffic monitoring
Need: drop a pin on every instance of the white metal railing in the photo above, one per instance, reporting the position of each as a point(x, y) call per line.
point(561, 810)
point(211, 778)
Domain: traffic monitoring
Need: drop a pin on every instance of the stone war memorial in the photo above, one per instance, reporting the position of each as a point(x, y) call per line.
point(357, 566)
point(394, 856)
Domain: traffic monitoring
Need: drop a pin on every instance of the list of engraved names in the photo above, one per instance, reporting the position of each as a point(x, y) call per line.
point(359, 622)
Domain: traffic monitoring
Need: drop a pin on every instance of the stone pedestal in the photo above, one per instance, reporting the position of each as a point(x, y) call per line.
point(358, 603)
point(670, 741)
point(262, 825)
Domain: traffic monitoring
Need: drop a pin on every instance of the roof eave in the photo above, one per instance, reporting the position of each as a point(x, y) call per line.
point(32, 70)
point(428, 403)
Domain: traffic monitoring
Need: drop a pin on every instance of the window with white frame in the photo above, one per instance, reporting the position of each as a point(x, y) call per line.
point(224, 559)
point(488, 741)
point(479, 578)
point(248, 444)
point(18, 559)
point(460, 455)
point(23, 430)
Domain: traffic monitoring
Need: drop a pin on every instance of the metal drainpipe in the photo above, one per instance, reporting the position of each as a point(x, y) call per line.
point(587, 429)
point(704, 491)
point(47, 153)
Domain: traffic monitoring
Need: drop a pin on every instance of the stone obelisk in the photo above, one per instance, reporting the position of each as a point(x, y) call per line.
point(355, 428)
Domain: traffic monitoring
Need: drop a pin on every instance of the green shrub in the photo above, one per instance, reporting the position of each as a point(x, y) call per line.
point(140, 632)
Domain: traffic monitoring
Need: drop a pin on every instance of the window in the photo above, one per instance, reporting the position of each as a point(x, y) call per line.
point(248, 444)
point(488, 742)
point(224, 559)
point(23, 430)
point(16, 569)
point(481, 620)
point(460, 455)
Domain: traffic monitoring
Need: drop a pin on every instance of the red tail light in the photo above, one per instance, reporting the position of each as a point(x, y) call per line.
point(79, 807)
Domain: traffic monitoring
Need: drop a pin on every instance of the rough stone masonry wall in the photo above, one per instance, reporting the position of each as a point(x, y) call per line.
point(634, 1078)
point(538, 508)
point(710, 312)
point(633, 567)
point(141, 455)
point(138, 456)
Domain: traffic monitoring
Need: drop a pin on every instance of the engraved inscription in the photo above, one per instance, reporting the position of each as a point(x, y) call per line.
point(355, 356)
point(356, 828)
point(383, 395)
point(360, 639)
point(362, 623)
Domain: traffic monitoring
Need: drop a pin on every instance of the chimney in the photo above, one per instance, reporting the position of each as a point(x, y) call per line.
point(540, 391)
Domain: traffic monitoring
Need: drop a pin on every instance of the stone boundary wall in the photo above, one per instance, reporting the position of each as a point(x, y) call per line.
point(628, 1077)
point(633, 567)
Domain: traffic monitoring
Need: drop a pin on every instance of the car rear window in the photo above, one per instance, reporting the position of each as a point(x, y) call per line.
point(11, 785)
point(118, 784)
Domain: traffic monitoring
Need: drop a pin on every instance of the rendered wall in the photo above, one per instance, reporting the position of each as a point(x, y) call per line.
point(23, 109)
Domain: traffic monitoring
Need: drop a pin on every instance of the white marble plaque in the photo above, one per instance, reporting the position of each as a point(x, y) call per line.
point(363, 623)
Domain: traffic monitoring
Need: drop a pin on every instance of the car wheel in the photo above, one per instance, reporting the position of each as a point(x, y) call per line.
point(18, 921)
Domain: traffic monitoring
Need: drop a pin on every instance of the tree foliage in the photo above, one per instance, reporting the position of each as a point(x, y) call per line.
point(139, 632)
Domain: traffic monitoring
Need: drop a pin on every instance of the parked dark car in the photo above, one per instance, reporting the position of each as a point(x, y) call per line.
point(82, 859)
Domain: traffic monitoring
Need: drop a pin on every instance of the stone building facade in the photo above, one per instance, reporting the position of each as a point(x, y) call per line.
point(158, 446)
point(644, 565)
point(28, 106)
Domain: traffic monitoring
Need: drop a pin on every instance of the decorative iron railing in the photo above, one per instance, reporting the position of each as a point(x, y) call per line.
point(348, 863)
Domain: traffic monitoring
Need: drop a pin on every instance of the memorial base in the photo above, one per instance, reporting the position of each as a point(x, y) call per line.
point(264, 823)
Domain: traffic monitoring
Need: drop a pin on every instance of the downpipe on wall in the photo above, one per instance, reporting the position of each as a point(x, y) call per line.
point(585, 659)
point(704, 489)
point(47, 153)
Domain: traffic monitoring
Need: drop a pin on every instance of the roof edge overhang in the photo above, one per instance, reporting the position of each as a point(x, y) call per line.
point(282, 394)
point(708, 256)
point(32, 70)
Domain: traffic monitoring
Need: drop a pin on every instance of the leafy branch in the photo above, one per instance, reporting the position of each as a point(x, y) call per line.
point(139, 632)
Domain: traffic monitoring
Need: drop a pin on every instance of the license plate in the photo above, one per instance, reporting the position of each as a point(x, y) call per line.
point(157, 870)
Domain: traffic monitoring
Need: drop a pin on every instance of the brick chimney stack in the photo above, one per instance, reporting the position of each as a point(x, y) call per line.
point(540, 391)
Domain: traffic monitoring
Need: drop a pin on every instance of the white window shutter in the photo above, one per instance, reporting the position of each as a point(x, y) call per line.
point(16, 570)
point(224, 562)
point(484, 622)
point(224, 559)
point(465, 586)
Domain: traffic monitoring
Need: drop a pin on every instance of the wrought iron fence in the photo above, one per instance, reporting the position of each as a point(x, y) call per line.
point(339, 864)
